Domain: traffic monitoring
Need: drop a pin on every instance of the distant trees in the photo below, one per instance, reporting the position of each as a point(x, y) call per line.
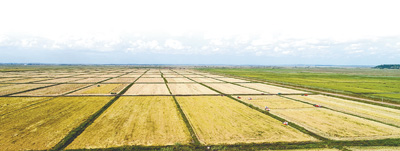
point(388, 66)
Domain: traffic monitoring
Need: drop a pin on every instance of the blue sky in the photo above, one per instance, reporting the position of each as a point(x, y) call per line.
point(200, 32)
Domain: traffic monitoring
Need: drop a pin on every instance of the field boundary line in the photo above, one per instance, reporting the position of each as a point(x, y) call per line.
point(195, 137)
point(74, 133)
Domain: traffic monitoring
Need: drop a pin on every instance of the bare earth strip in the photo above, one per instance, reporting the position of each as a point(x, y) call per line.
point(147, 89)
point(336, 125)
point(53, 90)
point(42, 126)
point(190, 89)
point(150, 80)
point(123, 80)
point(201, 80)
point(8, 104)
point(274, 102)
point(90, 80)
point(232, 89)
point(221, 120)
point(387, 115)
point(178, 80)
point(19, 88)
point(232, 80)
point(271, 89)
point(148, 121)
point(101, 89)
point(61, 80)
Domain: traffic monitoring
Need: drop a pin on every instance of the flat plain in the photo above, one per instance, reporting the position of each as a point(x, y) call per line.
point(189, 89)
point(228, 88)
point(148, 89)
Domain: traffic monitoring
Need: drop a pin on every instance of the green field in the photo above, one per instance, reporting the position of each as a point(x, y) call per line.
point(361, 82)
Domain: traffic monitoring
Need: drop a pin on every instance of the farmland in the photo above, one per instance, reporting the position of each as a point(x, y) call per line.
point(136, 121)
point(184, 108)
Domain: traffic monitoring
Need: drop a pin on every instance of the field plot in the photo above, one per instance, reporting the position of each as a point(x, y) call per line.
point(220, 120)
point(148, 121)
point(9, 104)
point(27, 80)
point(271, 89)
point(374, 148)
point(101, 89)
point(173, 76)
point(190, 89)
point(131, 76)
point(232, 89)
point(42, 126)
point(151, 80)
point(90, 80)
point(274, 102)
point(6, 80)
point(107, 76)
point(19, 88)
point(202, 80)
point(232, 80)
point(120, 80)
point(310, 149)
point(148, 89)
point(178, 80)
point(152, 76)
point(53, 90)
point(60, 80)
point(194, 76)
point(387, 115)
point(213, 76)
point(336, 125)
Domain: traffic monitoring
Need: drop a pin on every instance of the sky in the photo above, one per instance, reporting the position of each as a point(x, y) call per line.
point(245, 32)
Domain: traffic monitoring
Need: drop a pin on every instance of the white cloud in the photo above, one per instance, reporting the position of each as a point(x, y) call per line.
point(173, 44)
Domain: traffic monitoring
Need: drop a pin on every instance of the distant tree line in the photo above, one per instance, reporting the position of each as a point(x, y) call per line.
point(388, 66)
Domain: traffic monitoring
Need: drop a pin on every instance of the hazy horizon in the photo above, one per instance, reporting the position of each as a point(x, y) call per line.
point(254, 32)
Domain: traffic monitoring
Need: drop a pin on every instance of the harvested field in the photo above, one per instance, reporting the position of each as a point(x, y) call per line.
point(194, 76)
point(190, 89)
point(121, 80)
point(27, 80)
point(384, 114)
point(151, 80)
point(61, 80)
point(107, 76)
point(232, 80)
point(6, 80)
point(178, 80)
point(202, 80)
point(148, 89)
point(53, 90)
point(213, 76)
point(232, 89)
point(271, 89)
point(274, 102)
point(9, 104)
point(374, 148)
point(90, 80)
point(147, 121)
point(42, 126)
point(131, 76)
point(336, 125)
point(152, 75)
point(101, 89)
point(19, 88)
point(173, 76)
point(221, 120)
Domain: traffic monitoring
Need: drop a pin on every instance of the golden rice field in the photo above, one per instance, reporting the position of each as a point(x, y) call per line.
point(60, 80)
point(148, 121)
point(101, 89)
point(221, 120)
point(53, 90)
point(190, 89)
point(228, 88)
point(9, 104)
point(45, 124)
point(27, 80)
point(19, 87)
point(273, 102)
point(337, 126)
point(148, 89)
point(384, 114)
